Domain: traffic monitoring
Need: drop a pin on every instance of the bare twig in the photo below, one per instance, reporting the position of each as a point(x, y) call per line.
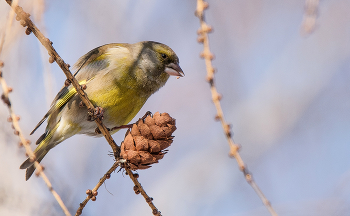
point(26, 22)
point(139, 189)
point(92, 193)
point(14, 119)
point(8, 25)
point(48, 183)
point(134, 155)
point(216, 97)
point(310, 15)
point(23, 17)
point(17, 130)
point(26, 143)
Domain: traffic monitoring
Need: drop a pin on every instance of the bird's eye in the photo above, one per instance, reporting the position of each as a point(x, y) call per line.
point(164, 56)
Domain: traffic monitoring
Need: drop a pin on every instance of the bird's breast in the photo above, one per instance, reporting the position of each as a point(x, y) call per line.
point(120, 104)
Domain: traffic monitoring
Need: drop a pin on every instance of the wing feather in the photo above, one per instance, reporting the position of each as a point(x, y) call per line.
point(87, 66)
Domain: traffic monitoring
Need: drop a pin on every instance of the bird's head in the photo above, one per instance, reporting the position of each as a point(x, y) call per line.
point(157, 62)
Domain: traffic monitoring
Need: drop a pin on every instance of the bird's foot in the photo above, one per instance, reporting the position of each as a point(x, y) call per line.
point(129, 126)
point(121, 127)
point(97, 113)
point(148, 113)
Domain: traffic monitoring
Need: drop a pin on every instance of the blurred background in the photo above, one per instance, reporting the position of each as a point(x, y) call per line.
point(285, 91)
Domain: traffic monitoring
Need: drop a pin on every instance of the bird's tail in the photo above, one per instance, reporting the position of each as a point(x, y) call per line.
point(45, 143)
point(29, 165)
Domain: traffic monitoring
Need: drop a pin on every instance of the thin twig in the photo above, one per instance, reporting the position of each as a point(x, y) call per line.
point(91, 193)
point(17, 130)
point(26, 143)
point(310, 15)
point(8, 25)
point(139, 189)
point(26, 22)
point(49, 185)
point(14, 119)
point(23, 17)
point(216, 97)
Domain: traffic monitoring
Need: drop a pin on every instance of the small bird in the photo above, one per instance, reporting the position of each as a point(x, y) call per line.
point(119, 78)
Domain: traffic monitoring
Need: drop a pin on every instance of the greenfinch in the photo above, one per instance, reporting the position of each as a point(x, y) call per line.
point(119, 78)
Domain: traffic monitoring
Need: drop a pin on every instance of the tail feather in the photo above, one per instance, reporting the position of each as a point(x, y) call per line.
point(41, 138)
point(41, 121)
point(27, 163)
point(30, 170)
point(46, 142)
point(39, 153)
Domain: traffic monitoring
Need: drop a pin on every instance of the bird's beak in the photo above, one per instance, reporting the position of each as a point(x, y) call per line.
point(174, 70)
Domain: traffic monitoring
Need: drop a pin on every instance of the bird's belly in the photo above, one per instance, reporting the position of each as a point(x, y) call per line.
point(119, 107)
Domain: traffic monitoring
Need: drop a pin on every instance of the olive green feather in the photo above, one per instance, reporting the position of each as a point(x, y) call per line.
point(119, 78)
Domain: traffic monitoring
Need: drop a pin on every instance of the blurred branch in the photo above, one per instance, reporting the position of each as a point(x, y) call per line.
point(25, 21)
point(309, 20)
point(139, 189)
point(26, 143)
point(48, 79)
point(8, 25)
point(216, 97)
point(14, 119)
point(93, 193)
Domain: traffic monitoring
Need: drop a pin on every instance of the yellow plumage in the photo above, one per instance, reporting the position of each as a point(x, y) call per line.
point(119, 78)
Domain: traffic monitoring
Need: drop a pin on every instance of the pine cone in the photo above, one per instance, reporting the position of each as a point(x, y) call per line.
point(145, 143)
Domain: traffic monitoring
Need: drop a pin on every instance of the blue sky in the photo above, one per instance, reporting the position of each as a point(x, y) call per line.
point(285, 94)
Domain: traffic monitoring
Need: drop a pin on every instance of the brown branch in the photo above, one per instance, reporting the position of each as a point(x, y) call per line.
point(310, 15)
point(134, 154)
point(93, 193)
point(139, 189)
point(26, 143)
point(216, 97)
point(25, 21)
point(8, 25)
point(23, 17)
point(14, 119)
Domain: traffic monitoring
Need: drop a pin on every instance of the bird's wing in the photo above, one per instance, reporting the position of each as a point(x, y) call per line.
point(93, 62)
point(87, 67)
point(61, 99)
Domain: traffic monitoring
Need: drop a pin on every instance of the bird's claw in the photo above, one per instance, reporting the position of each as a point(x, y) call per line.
point(148, 113)
point(129, 126)
point(121, 127)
